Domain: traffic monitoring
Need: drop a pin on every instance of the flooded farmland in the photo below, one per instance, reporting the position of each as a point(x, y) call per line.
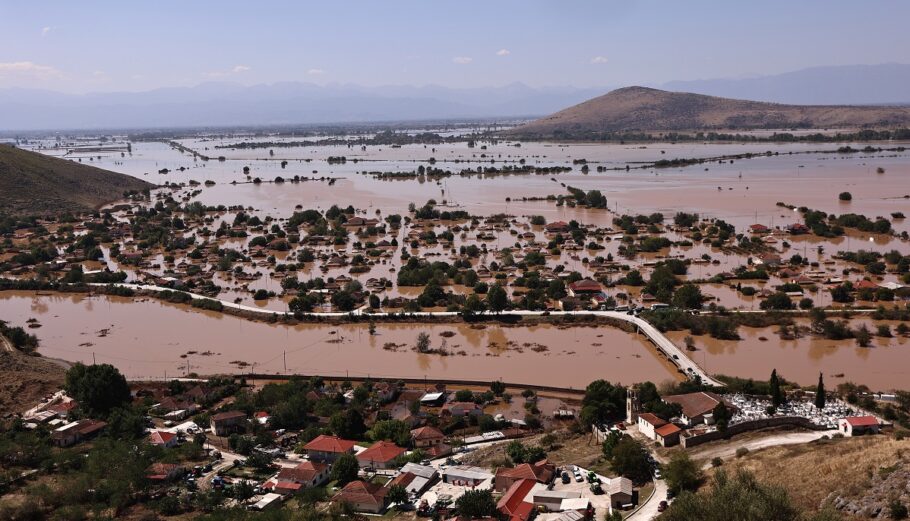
point(148, 339)
point(764, 189)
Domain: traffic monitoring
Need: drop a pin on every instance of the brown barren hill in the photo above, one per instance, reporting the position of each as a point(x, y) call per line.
point(645, 109)
point(36, 184)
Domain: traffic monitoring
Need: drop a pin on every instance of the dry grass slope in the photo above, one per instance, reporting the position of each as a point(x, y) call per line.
point(821, 470)
point(35, 184)
point(25, 379)
point(645, 109)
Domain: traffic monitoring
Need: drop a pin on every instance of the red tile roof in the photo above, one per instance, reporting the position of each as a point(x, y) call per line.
point(161, 437)
point(862, 421)
point(306, 472)
point(381, 452)
point(323, 443)
point(513, 502)
point(667, 430)
point(652, 419)
point(360, 492)
point(427, 433)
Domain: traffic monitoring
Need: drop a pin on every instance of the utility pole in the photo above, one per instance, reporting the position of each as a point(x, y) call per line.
point(93, 359)
point(285, 354)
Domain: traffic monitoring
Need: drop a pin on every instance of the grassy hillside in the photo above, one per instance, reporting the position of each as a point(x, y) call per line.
point(35, 184)
point(644, 109)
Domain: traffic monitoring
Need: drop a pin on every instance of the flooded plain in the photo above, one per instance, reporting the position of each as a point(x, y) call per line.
point(150, 339)
point(147, 338)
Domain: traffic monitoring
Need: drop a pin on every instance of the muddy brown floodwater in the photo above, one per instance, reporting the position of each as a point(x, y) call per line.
point(883, 366)
point(149, 339)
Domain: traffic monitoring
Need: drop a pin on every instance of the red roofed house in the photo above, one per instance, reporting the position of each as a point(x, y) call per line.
point(308, 474)
point(759, 228)
point(225, 423)
point(328, 448)
point(858, 425)
point(163, 439)
point(363, 497)
point(697, 407)
point(648, 424)
point(667, 435)
point(380, 455)
point(513, 506)
point(458, 409)
point(865, 284)
point(557, 227)
point(542, 472)
point(585, 287)
point(163, 471)
point(427, 436)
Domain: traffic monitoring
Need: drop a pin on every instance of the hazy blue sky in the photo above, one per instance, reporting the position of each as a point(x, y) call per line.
point(137, 45)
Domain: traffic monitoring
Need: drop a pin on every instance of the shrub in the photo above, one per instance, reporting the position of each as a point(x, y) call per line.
point(742, 451)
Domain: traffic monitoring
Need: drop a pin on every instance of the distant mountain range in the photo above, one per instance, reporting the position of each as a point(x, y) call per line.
point(288, 103)
point(646, 109)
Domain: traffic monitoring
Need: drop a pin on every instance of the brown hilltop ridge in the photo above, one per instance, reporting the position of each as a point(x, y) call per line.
point(646, 109)
point(36, 184)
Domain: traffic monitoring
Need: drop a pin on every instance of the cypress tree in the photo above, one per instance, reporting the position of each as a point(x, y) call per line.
point(777, 398)
point(820, 393)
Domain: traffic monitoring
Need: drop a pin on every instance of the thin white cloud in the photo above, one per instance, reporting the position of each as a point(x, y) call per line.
point(315, 72)
point(462, 60)
point(45, 31)
point(236, 69)
point(599, 59)
point(503, 52)
point(27, 70)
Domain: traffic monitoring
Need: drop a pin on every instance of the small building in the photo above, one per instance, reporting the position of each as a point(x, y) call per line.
point(540, 472)
point(427, 437)
point(75, 432)
point(466, 476)
point(620, 491)
point(460, 409)
point(163, 472)
point(695, 406)
point(415, 478)
point(552, 500)
point(363, 496)
point(327, 448)
point(513, 505)
point(758, 228)
point(648, 424)
point(380, 455)
point(859, 425)
point(308, 474)
point(667, 435)
point(435, 399)
point(268, 501)
point(225, 423)
point(164, 439)
point(585, 287)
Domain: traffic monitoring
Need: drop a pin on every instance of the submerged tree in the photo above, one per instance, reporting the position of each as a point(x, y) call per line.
point(820, 393)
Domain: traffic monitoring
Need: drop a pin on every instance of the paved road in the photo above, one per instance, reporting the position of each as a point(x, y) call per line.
point(648, 510)
point(729, 450)
point(663, 344)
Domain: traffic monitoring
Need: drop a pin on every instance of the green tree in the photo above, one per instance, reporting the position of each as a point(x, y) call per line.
point(476, 504)
point(124, 423)
point(630, 460)
point(498, 387)
point(820, 392)
point(345, 469)
point(688, 296)
point(722, 416)
point(98, 389)
point(347, 424)
point(681, 473)
point(497, 299)
point(395, 431)
point(423, 342)
point(397, 494)
point(778, 300)
point(603, 401)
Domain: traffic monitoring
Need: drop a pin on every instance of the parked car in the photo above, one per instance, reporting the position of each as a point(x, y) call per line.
point(656, 473)
point(596, 489)
point(566, 478)
point(671, 494)
point(578, 477)
point(661, 506)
